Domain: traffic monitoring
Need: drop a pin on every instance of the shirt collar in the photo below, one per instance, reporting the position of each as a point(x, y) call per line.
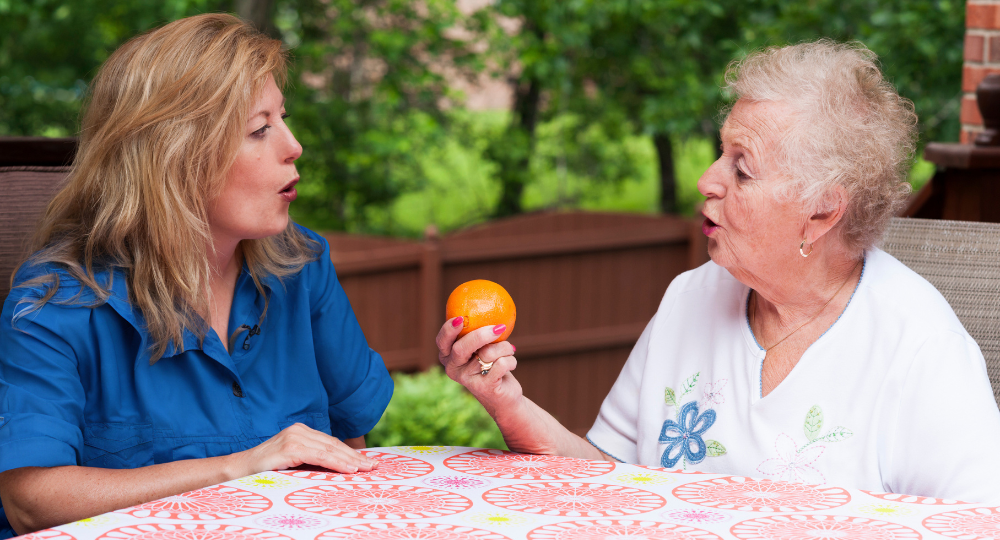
point(118, 300)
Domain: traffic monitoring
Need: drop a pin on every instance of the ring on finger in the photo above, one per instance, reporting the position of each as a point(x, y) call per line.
point(484, 365)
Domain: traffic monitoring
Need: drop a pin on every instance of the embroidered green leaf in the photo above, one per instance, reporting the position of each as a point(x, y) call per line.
point(837, 434)
point(814, 422)
point(715, 449)
point(669, 397)
point(689, 384)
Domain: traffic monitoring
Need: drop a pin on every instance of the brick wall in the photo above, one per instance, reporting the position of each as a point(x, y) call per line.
point(982, 58)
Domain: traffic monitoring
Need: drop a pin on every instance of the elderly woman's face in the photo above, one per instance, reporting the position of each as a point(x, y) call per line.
point(261, 184)
point(751, 229)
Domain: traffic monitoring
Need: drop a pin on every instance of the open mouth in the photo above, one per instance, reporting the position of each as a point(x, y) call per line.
point(291, 185)
point(288, 193)
point(708, 226)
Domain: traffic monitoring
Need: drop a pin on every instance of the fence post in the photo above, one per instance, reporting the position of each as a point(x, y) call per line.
point(431, 313)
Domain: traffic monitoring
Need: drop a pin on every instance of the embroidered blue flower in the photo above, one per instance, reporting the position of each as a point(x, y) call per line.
point(684, 439)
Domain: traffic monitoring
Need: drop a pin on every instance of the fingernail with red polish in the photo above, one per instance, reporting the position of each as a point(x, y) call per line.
point(499, 329)
point(513, 347)
point(456, 322)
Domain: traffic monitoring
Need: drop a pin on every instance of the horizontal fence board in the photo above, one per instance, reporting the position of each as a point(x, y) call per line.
point(582, 340)
point(546, 244)
point(551, 222)
point(377, 260)
point(476, 250)
point(402, 359)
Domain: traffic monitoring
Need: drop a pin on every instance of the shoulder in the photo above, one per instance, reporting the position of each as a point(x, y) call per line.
point(313, 236)
point(317, 279)
point(70, 302)
point(34, 281)
point(317, 244)
point(896, 294)
point(65, 311)
point(300, 240)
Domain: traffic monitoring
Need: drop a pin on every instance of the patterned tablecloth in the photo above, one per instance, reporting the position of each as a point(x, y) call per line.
point(452, 493)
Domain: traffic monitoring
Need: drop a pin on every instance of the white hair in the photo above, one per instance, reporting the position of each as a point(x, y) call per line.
point(851, 128)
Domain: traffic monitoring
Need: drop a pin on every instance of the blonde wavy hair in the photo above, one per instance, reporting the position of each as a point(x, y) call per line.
point(851, 128)
point(164, 119)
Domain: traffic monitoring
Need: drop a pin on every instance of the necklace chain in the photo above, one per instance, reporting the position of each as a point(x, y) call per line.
point(753, 310)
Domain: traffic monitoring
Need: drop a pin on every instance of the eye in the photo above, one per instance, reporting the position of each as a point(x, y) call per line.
point(741, 173)
point(259, 134)
point(285, 115)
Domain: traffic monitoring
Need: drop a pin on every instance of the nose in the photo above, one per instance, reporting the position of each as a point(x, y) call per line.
point(712, 183)
point(294, 149)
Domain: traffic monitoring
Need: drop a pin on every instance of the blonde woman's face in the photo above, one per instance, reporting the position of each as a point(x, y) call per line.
point(261, 184)
point(752, 231)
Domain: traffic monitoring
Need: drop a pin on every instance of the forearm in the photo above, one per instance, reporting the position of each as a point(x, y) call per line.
point(36, 498)
point(529, 428)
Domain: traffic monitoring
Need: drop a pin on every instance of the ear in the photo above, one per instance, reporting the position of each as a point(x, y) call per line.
point(826, 215)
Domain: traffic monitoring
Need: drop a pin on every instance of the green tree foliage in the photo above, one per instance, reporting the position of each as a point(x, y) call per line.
point(919, 44)
point(658, 65)
point(369, 94)
point(430, 409)
point(367, 89)
point(50, 49)
point(535, 51)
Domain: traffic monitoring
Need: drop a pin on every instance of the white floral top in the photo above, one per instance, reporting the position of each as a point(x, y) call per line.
point(893, 397)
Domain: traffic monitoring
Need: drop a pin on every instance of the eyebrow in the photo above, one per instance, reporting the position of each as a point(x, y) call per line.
point(736, 141)
point(266, 113)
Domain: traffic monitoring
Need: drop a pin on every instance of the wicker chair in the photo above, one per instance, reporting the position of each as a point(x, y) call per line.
point(961, 259)
point(25, 191)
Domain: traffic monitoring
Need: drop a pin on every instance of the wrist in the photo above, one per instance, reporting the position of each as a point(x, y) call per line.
point(522, 429)
point(506, 415)
point(235, 466)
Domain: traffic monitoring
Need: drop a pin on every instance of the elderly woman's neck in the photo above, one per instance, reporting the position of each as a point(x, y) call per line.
point(807, 286)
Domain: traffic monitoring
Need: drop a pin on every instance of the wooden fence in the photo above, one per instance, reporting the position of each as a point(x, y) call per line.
point(585, 285)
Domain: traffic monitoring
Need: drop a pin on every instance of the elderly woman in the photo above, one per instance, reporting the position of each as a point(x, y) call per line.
point(174, 329)
point(801, 352)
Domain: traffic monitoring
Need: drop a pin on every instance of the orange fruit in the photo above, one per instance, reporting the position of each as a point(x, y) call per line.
point(481, 303)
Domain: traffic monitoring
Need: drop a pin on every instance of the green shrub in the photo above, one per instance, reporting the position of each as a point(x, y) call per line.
point(430, 409)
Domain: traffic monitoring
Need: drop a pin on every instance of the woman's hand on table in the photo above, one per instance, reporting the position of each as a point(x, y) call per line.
point(36, 497)
point(301, 445)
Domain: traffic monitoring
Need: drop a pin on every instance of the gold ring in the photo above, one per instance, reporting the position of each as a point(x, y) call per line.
point(485, 366)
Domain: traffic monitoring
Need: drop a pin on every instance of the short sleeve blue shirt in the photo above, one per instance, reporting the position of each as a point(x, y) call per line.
point(77, 388)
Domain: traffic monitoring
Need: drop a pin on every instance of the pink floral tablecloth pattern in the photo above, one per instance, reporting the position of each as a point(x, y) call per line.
point(454, 493)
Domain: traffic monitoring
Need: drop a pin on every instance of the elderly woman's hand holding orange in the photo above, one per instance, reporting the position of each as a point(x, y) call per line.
point(472, 348)
point(801, 352)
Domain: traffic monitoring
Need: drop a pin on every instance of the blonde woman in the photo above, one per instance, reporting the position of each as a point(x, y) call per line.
point(174, 329)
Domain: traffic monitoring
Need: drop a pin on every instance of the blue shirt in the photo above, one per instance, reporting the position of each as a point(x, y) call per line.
point(76, 386)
